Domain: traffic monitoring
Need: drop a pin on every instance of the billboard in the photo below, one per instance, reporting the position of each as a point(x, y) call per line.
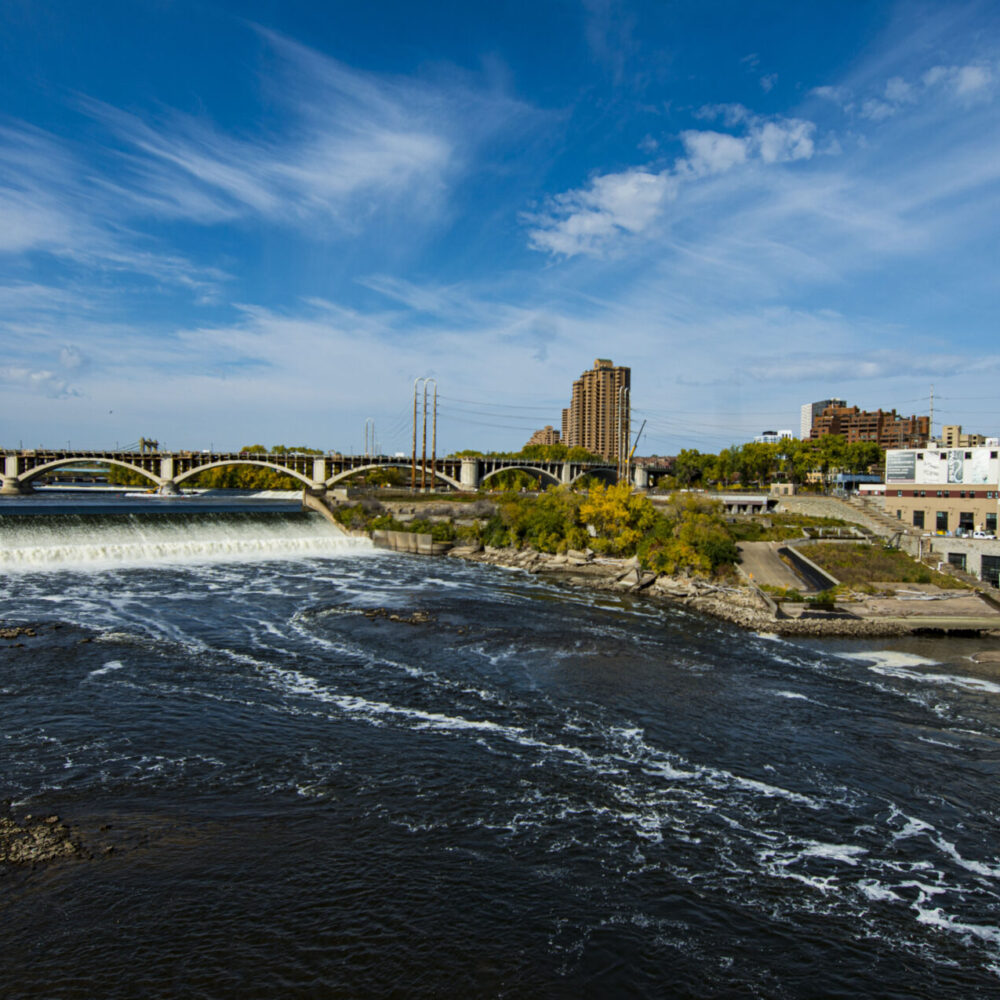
point(900, 466)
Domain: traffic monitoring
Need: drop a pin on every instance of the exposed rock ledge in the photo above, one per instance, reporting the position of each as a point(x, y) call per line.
point(738, 604)
point(34, 839)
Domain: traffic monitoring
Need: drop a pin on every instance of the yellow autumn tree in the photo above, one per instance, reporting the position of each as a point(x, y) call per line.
point(618, 518)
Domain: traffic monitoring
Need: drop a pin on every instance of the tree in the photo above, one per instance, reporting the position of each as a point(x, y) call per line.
point(618, 517)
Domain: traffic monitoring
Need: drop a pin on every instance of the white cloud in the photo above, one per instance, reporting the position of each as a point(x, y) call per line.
point(785, 139)
point(352, 144)
point(898, 91)
point(71, 358)
point(969, 79)
point(963, 81)
point(713, 152)
point(768, 81)
point(588, 220)
point(828, 93)
point(35, 381)
point(875, 110)
point(592, 220)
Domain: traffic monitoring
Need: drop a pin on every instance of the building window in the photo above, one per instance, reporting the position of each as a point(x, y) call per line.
point(920, 456)
point(939, 493)
point(899, 493)
point(918, 519)
point(968, 454)
point(899, 515)
point(966, 521)
point(957, 559)
point(947, 493)
point(941, 523)
point(991, 523)
point(923, 493)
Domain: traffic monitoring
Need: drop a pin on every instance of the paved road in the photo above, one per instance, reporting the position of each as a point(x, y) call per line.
point(762, 562)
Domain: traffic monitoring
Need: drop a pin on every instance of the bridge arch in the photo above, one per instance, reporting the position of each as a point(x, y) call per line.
point(347, 473)
point(31, 474)
point(609, 475)
point(543, 474)
point(188, 473)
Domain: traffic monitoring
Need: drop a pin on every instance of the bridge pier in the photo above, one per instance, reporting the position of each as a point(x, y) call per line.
point(640, 477)
point(470, 474)
point(168, 488)
point(13, 487)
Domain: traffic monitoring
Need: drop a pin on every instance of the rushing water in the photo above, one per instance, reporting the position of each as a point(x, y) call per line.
point(539, 792)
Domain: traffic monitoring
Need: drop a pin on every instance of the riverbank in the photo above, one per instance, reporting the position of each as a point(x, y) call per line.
point(738, 602)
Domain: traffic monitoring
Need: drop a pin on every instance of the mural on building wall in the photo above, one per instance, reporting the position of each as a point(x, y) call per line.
point(956, 466)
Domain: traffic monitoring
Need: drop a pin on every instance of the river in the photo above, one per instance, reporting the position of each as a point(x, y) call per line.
point(522, 791)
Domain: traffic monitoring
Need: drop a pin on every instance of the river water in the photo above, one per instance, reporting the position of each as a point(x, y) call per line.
point(524, 791)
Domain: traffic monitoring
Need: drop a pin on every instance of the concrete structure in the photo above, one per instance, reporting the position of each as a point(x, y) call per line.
point(598, 415)
point(952, 437)
point(885, 427)
point(810, 411)
point(944, 490)
point(318, 473)
point(547, 435)
point(772, 437)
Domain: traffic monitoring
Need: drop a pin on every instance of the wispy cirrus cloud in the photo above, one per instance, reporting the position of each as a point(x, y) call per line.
point(351, 145)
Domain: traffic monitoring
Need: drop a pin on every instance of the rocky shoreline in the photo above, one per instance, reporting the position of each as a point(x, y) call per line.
point(738, 603)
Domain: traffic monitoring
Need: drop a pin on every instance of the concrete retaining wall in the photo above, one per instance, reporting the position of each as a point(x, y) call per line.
point(808, 570)
point(409, 541)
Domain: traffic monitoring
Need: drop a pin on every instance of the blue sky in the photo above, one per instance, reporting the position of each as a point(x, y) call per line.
point(259, 222)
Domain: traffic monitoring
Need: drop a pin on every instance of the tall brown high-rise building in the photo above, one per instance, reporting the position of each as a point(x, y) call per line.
point(598, 415)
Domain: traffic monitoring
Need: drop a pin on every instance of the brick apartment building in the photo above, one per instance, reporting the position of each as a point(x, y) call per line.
point(598, 415)
point(885, 427)
point(547, 435)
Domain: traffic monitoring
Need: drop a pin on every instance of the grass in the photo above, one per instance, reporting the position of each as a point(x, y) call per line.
point(858, 564)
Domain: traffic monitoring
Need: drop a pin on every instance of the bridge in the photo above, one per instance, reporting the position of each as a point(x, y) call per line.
point(167, 471)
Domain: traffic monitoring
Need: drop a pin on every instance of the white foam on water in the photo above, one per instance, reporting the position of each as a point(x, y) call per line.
point(937, 918)
point(975, 684)
point(877, 892)
point(991, 871)
point(108, 668)
point(890, 658)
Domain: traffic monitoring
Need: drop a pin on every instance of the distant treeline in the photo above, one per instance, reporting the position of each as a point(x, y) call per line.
point(790, 460)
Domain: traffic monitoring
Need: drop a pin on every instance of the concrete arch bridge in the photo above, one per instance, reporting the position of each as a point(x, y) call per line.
point(167, 471)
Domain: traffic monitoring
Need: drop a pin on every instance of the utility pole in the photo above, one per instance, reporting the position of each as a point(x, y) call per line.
point(423, 454)
point(434, 436)
point(930, 426)
point(413, 469)
point(425, 379)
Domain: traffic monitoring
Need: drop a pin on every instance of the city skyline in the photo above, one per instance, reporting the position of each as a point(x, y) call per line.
point(228, 224)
